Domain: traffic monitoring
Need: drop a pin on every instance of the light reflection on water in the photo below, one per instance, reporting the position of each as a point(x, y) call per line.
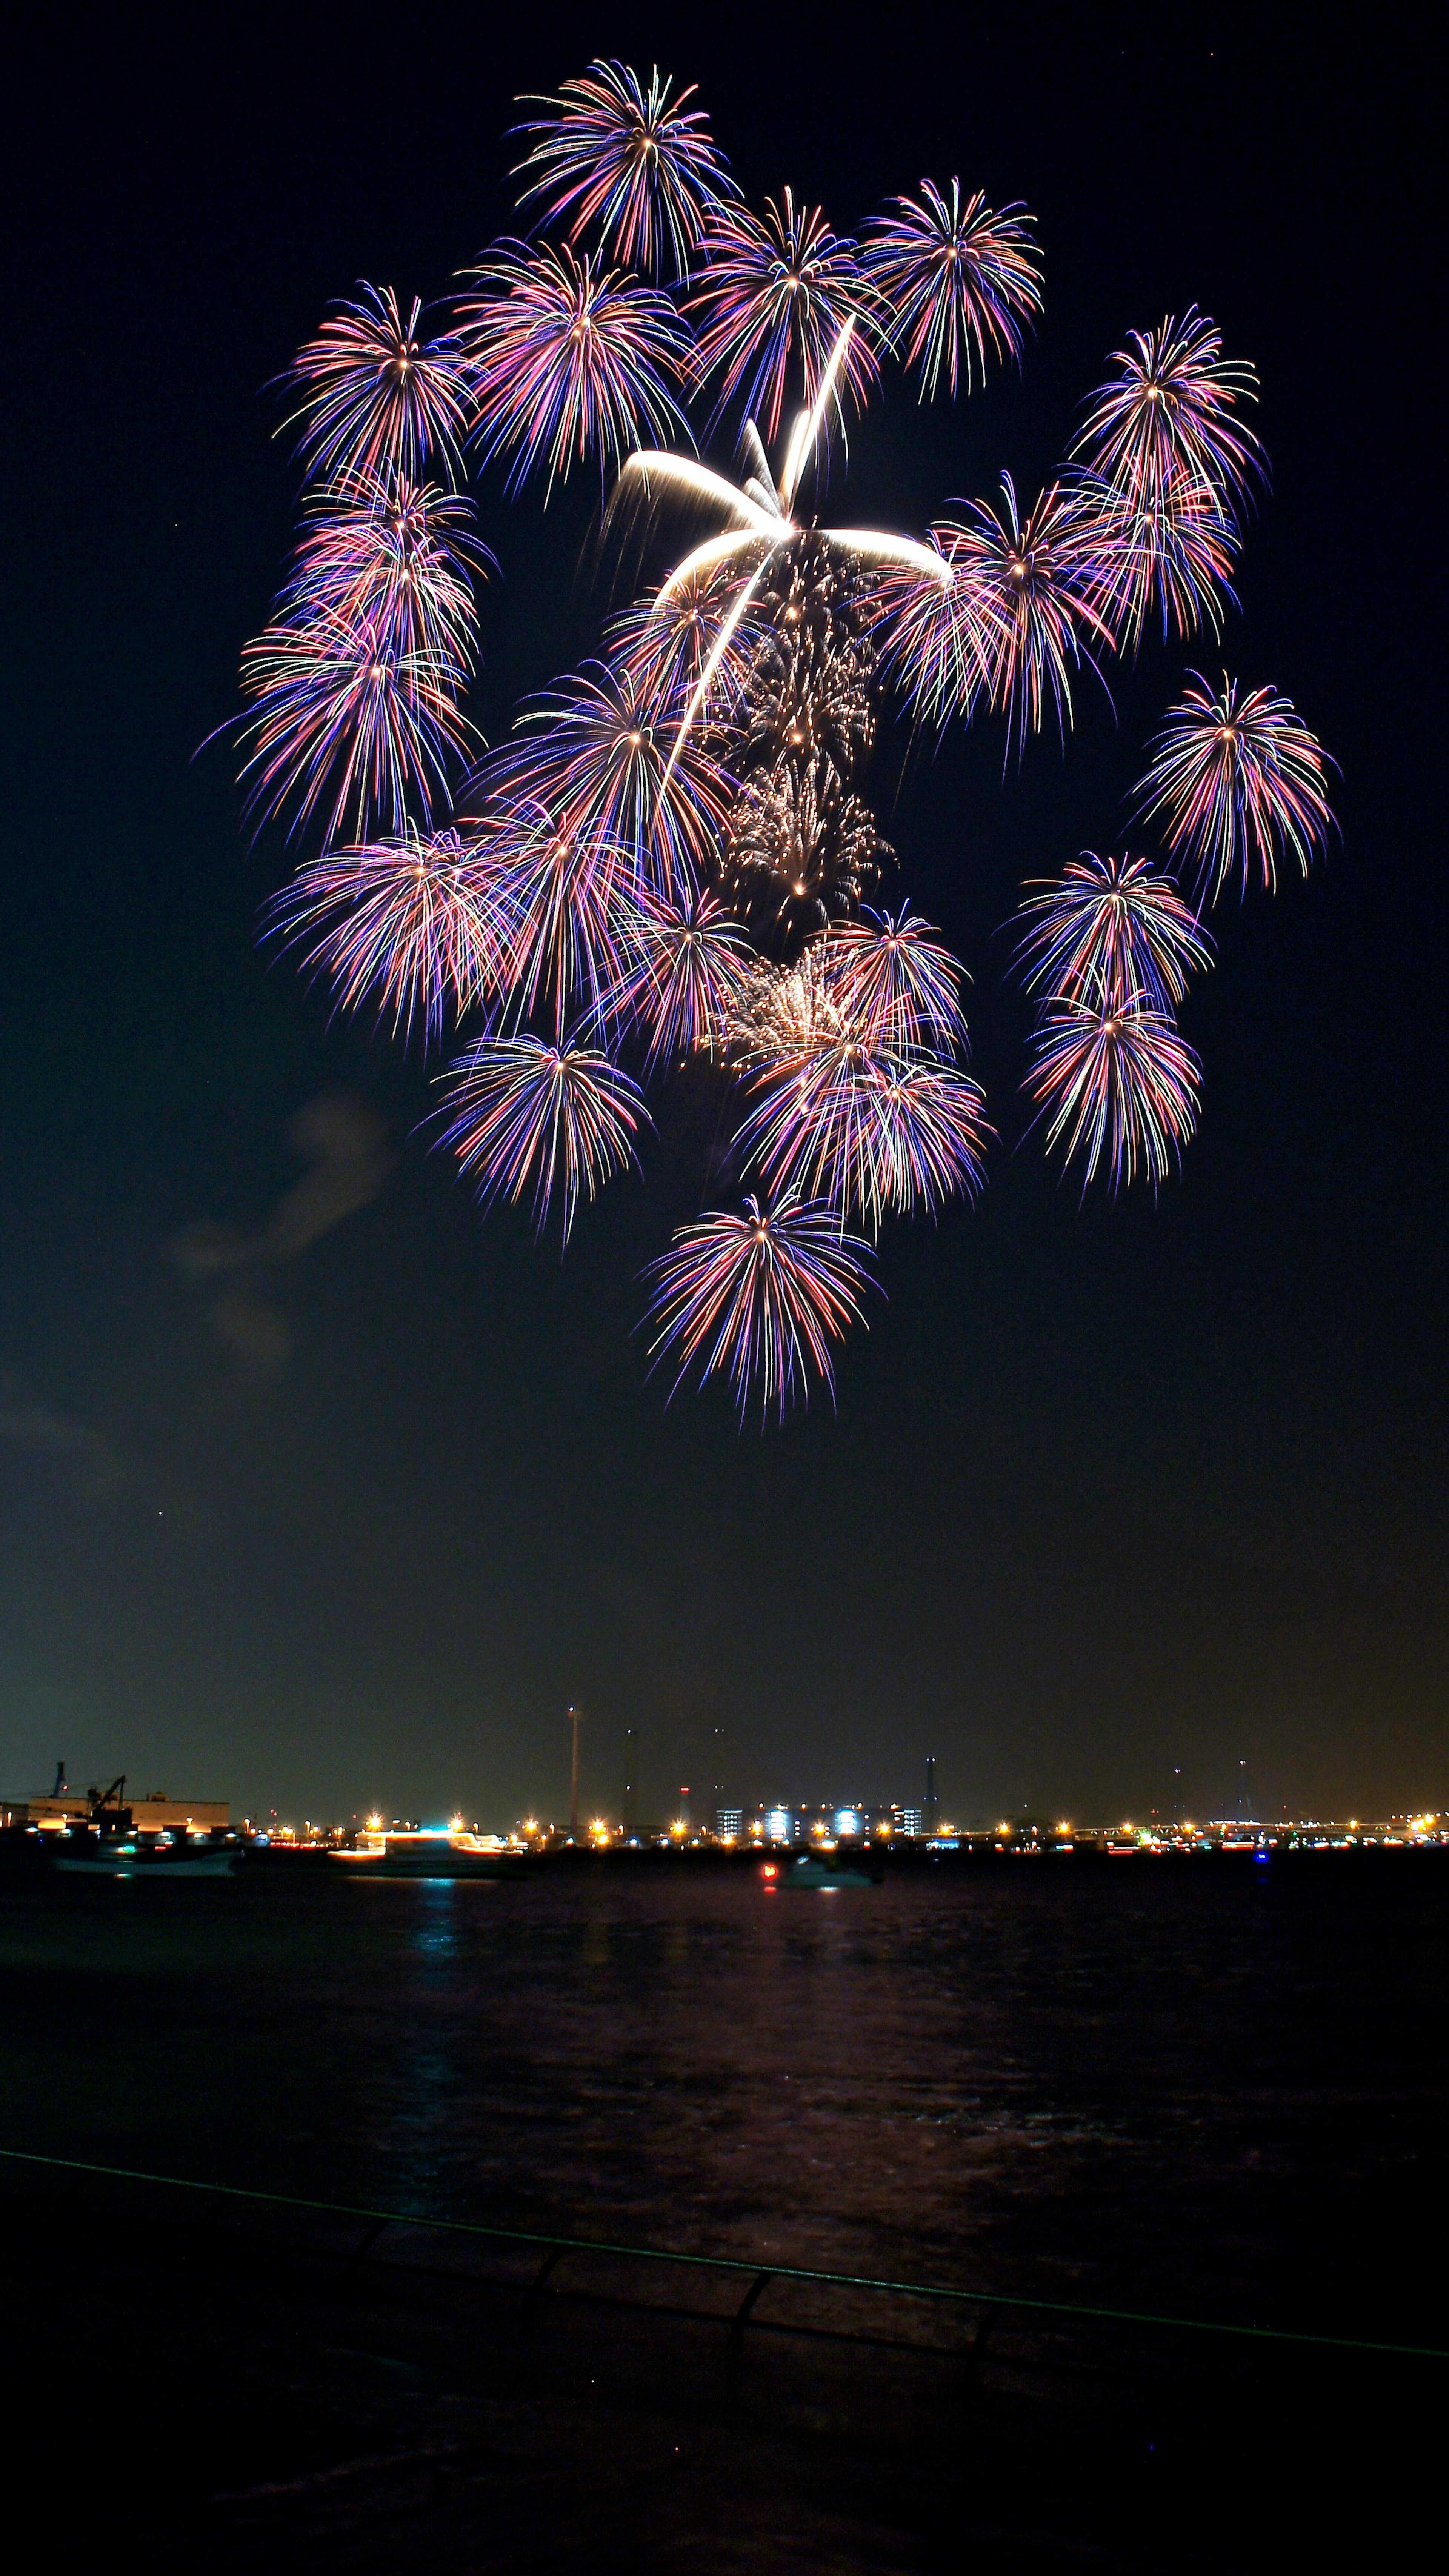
point(1165, 2084)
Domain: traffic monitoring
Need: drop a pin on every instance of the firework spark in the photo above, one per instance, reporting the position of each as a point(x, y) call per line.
point(631, 159)
point(402, 924)
point(556, 1117)
point(569, 360)
point(769, 292)
point(1240, 787)
point(954, 277)
point(1117, 1086)
point(762, 1295)
point(1114, 931)
point(376, 395)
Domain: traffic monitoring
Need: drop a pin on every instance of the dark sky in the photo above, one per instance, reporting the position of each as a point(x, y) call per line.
point(1109, 1489)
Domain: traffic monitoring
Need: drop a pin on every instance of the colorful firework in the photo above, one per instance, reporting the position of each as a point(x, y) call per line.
point(1160, 557)
point(630, 159)
point(404, 925)
point(763, 1295)
point(1117, 1086)
point(897, 979)
point(688, 966)
point(1170, 415)
point(345, 726)
point(934, 634)
point(376, 395)
point(399, 555)
point(599, 753)
point(1113, 931)
point(565, 908)
point(554, 1117)
point(569, 361)
point(1028, 604)
point(775, 291)
point(785, 1012)
point(666, 647)
point(953, 277)
point(866, 1129)
point(1240, 787)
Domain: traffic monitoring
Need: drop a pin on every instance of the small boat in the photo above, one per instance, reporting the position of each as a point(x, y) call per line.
point(437, 1851)
point(812, 1871)
point(150, 1856)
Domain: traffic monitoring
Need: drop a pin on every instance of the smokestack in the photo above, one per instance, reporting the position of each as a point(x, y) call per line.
point(932, 1817)
point(630, 1785)
point(59, 1790)
point(574, 1782)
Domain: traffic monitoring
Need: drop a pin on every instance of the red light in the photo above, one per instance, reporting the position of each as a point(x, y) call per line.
point(769, 1870)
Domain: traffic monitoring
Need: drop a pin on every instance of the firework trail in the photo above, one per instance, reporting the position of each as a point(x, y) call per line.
point(556, 1117)
point(631, 160)
point(403, 924)
point(762, 1295)
point(374, 395)
point(775, 291)
point(1239, 787)
point(568, 360)
point(953, 278)
point(1113, 932)
point(1117, 1086)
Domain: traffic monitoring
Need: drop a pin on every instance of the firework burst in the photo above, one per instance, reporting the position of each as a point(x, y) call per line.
point(374, 395)
point(1240, 787)
point(952, 278)
point(868, 1130)
point(762, 1295)
point(566, 914)
point(554, 1118)
point(1027, 615)
point(687, 972)
point(404, 925)
point(896, 979)
point(600, 751)
point(1117, 1086)
point(401, 557)
point(1114, 931)
point(629, 158)
point(771, 292)
point(1170, 414)
point(569, 360)
point(345, 726)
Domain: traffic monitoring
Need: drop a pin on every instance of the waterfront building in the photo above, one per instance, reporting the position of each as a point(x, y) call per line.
point(931, 1815)
point(728, 1823)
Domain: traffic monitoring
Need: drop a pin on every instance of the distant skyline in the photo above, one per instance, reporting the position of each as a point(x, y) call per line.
point(315, 1485)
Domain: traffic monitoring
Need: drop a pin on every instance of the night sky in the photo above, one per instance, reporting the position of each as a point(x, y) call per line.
point(318, 1491)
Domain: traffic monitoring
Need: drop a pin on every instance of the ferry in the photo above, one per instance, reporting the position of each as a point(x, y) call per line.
point(428, 1851)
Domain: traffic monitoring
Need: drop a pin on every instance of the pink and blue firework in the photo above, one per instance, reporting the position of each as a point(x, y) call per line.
point(1028, 602)
point(346, 726)
point(564, 903)
point(399, 555)
point(403, 925)
point(569, 360)
point(551, 1118)
point(631, 159)
point(687, 966)
point(894, 978)
point(762, 1295)
point(775, 291)
point(1170, 414)
point(1239, 787)
point(1113, 931)
point(667, 648)
point(937, 640)
point(607, 758)
point(952, 278)
point(867, 1130)
point(1160, 557)
point(374, 394)
point(1117, 1086)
